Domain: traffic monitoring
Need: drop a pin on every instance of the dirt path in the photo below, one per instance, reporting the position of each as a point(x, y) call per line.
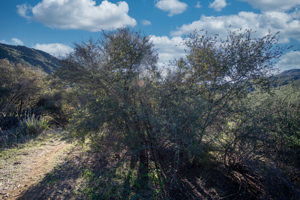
point(25, 167)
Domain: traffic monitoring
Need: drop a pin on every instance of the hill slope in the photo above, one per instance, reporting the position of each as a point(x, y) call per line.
point(287, 77)
point(29, 56)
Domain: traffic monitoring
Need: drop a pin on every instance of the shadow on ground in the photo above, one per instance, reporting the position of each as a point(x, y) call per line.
point(60, 183)
point(88, 175)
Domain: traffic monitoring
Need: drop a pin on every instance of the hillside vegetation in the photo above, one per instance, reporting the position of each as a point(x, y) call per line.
point(288, 77)
point(29, 57)
point(212, 127)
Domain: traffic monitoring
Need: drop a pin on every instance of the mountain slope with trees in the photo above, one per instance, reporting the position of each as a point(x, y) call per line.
point(29, 57)
point(287, 77)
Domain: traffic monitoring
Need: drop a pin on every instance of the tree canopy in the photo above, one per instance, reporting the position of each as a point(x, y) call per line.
point(173, 122)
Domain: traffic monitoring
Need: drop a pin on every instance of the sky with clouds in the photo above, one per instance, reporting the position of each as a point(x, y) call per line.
point(55, 25)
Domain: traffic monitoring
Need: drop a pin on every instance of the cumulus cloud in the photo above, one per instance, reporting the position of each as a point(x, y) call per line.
point(287, 24)
point(168, 48)
point(218, 5)
point(13, 41)
point(290, 60)
point(17, 41)
point(23, 10)
point(146, 22)
point(278, 5)
point(55, 49)
point(79, 14)
point(174, 7)
point(198, 5)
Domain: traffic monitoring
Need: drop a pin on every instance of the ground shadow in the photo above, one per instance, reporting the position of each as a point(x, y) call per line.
point(59, 183)
point(103, 179)
point(83, 175)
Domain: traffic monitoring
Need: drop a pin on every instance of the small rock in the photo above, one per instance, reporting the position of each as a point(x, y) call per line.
point(17, 163)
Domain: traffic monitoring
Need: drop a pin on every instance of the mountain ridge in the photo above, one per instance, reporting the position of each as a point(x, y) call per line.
point(287, 77)
point(29, 56)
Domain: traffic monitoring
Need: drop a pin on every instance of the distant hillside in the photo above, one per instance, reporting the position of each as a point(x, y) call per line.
point(287, 77)
point(29, 56)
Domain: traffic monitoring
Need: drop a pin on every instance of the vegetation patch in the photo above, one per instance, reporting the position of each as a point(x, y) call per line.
point(213, 126)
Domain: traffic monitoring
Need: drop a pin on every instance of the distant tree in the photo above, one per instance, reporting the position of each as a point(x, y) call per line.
point(20, 87)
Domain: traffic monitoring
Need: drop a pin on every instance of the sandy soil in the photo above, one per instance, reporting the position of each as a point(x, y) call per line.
point(28, 166)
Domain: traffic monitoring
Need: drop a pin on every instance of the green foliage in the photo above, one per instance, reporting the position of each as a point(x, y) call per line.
point(31, 125)
point(203, 109)
point(282, 124)
point(30, 101)
point(22, 88)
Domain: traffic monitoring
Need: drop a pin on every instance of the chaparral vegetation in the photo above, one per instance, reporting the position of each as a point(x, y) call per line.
point(210, 125)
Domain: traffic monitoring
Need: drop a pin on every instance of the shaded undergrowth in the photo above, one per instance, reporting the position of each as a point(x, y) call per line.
point(88, 174)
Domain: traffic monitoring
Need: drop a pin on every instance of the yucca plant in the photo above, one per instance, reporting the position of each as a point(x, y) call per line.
point(32, 125)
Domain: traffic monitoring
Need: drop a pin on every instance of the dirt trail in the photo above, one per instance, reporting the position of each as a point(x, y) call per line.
point(26, 167)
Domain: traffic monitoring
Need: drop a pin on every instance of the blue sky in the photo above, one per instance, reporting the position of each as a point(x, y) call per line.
point(55, 25)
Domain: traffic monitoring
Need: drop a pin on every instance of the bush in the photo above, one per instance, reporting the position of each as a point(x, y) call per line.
point(32, 125)
point(169, 120)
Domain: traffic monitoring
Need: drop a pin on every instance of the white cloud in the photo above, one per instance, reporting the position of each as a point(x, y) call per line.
point(287, 24)
point(290, 60)
point(146, 22)
point(278, 5)
point(168, 48)
point(218, 5)
point(23, 10)
point(174, 7)
point(56, 49)
point(198, 5)
point(4, 42)
point(17, 41)
point(13, 41)
point(79, 14)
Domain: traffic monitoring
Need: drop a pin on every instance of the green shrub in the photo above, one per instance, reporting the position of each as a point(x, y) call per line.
point(32, 125)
